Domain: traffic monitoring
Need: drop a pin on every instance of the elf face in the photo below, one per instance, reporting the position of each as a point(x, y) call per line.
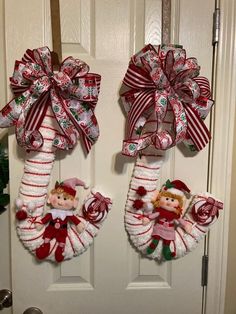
point(60, 201)
point(169, 203)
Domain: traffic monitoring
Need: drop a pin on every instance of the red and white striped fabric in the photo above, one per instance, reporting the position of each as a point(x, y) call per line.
point(52, 110)
point(33, 193)
point(166, 104)
point(161, 79)
point(71, 93)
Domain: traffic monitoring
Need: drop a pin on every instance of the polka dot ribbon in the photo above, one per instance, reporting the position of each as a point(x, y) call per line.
point(72, 94)
point(165, 92)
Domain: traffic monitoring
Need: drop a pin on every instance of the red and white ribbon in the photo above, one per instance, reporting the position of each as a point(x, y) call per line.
point(72, 94)
point(164, 81)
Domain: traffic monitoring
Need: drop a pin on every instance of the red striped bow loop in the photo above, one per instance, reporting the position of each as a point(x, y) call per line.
point(72, 94)
point(167, 100)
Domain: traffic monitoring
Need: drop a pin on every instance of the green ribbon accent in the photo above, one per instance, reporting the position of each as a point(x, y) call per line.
point(168, 184)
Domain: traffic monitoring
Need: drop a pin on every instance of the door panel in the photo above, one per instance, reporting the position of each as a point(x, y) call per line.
point(111, 276)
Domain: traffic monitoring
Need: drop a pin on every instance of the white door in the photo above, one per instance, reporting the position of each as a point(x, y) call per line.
point(110, 277)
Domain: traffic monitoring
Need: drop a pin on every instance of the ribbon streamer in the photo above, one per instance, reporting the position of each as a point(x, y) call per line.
point(162, 80)
point(72, 94)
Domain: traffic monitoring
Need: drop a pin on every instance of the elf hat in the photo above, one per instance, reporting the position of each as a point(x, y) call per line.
point(69, 185)
point(176, 187)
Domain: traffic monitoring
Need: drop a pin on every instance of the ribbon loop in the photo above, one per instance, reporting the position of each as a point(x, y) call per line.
point(213, 206)
point(101, 202)
point(72, 93)
point(165, 91)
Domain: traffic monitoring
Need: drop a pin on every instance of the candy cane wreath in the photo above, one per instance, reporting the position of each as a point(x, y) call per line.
point(166, 103)
point(50, 111)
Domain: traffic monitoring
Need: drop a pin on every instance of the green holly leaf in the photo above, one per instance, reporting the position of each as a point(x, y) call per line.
point(168, 184)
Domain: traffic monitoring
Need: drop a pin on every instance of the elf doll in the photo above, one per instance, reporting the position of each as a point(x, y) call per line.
point(62, 201)
point(168, 207)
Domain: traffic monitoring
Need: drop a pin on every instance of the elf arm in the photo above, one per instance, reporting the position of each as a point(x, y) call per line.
point(75, 220)
point(79, 225)
point(187, 227)
point(149, 217)
point(44, 220)
point(153, 215)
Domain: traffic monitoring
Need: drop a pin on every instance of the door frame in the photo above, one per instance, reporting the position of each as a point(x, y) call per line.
point(223, 119)
point(221, 149)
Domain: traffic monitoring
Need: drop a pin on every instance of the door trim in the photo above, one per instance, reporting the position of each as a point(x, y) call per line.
point(221, 156)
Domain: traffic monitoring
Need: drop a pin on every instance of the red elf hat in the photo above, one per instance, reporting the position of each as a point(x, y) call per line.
point(69, 185)
point(176, 187)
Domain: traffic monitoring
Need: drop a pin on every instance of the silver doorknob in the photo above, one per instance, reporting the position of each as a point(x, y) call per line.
point(33, 310)
point(5, 298)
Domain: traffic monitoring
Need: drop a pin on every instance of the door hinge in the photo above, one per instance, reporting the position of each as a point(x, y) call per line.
point(204, 270)
point(216, 26)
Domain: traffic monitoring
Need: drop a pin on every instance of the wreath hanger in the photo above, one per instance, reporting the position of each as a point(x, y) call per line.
point(56, 53)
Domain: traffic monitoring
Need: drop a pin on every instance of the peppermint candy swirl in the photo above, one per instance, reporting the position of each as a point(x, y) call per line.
point(205, 210)
point(96, 208)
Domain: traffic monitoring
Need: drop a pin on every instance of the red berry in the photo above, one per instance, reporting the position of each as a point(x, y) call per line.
point(138, 204)
point(141, 191)
point(21, 214)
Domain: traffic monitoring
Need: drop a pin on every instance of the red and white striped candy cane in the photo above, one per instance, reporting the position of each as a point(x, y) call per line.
point(51, 110)
point(166, 103)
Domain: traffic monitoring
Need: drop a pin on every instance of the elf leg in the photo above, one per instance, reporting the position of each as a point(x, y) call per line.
point(166, 250)
point(43, 251)
point(59, 256)
point(152, 246)
point(61, 237)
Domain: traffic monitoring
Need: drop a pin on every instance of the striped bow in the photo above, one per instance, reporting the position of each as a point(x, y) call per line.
point(213, 206)
point(166, 101)
point(72, 94)
point(101, 203)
